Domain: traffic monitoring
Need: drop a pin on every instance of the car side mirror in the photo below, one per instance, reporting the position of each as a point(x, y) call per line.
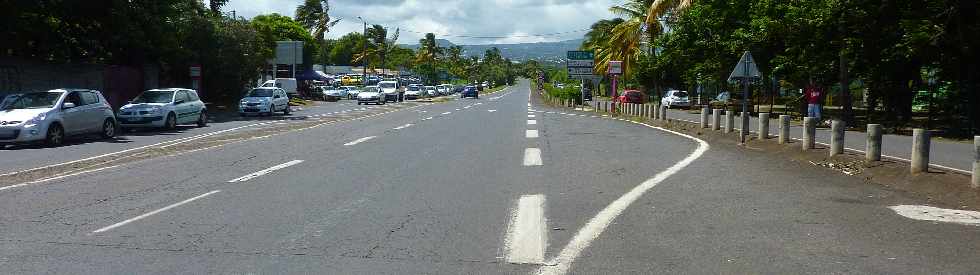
point(68, 105)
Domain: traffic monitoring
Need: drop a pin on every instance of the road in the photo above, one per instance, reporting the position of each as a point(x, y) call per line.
point(496, 185)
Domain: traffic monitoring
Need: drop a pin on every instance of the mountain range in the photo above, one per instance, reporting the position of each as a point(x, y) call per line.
point(541, 51)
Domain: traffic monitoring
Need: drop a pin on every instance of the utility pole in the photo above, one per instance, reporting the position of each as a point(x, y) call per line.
point(363, 53)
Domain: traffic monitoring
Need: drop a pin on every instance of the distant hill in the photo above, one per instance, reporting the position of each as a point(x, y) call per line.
point(544, 51)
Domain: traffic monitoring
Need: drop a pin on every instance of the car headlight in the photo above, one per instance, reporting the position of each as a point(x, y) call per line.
point(36, 119)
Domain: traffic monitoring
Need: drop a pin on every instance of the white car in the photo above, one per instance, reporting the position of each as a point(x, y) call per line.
point(53, 115)
point(333, 94)
point(351, 91)
point(371, 94)
point(264, 100)
point(675, 98)
point(431, 91)
point(163, 108)
point(414, 92)
point(391, 91)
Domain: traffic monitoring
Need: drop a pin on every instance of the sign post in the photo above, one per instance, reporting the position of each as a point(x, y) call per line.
point(746, 71)
point(580, 65)
point(615, 69)
point(196, 78)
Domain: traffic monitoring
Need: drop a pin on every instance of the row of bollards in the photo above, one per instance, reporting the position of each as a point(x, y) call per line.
point(712, 118)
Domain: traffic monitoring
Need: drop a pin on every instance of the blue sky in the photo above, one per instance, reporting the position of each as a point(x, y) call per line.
point(507, 21)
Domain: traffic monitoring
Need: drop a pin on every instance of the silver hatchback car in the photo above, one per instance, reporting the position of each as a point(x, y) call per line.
point(52, 115)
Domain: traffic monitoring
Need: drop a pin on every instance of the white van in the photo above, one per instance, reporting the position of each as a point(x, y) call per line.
point(287, 84)
point(391, 91)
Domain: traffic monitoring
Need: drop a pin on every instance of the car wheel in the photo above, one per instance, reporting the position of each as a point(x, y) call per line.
point(171, 122)
point(286, 111)
point(108, 128)
point(55, 136)
point(202, 121)
point(384, 102)
point(272, 109)
point(358, 103)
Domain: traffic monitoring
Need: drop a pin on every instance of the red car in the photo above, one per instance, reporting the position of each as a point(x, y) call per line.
point(631, 96)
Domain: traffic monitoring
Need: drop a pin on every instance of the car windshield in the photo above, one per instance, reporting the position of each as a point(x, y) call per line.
point(35, 101)
point(387, 85)
point(260, 93)
point(154, 97)
point(371, 90)
point(680, 94)
point(413, 88)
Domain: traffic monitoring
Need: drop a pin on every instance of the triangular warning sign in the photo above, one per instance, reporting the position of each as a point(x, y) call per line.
point(746, 68)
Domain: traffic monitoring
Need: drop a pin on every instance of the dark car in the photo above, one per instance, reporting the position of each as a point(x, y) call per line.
point(631, 96)
point(470, 91)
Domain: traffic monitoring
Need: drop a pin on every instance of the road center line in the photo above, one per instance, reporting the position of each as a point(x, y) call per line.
point(363, 139)
point(531, 133)
point(154, 212)
point(532, 157)
point(403, 126)
point(530, 116)
point(588, 233)
point(527, 235)
point(532, 122)
point(491, 111)
point(266, 171)
point(446, 113)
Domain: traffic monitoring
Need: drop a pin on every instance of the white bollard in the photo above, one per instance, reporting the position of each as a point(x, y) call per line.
point(837, 137)
point(783, 129)
point(872, 149)
point(809, 133)
point(704, 118)
point(976, 162)
point(729, 121)
point(920, 151)
point(763, 125)
point(716, 119)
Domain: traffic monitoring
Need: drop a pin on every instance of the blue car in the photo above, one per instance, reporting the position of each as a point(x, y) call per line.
point(470, 91)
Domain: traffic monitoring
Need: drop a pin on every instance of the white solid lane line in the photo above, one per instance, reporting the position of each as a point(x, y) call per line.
point(403, 126)
point(363, 139)
point(532, 122)
point(532, 157)
point(266, 171)
point(588, 233)
point(491, 111)
point(57, 177)
point(154, 212)
point(531, 133)
point(527, 235)
point(446, 113)
point(530, 116)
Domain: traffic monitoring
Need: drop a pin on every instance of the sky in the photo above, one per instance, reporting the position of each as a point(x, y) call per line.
point(459, 21)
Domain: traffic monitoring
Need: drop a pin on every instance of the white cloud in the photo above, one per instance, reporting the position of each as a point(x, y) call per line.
point(482, 22)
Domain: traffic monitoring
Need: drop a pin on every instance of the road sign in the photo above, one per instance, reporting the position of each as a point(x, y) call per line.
point(746, 69)
point(584, 71)
point(581, 55)
point(580, 63)
point(615, 67)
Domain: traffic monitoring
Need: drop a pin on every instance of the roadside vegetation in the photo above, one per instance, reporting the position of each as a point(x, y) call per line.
point(899, 63)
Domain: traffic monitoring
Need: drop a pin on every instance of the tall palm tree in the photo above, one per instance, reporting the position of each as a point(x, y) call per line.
point(597, 40)
point(640, 24)
point(380, 45)
point(314, 16)
point(429, 52)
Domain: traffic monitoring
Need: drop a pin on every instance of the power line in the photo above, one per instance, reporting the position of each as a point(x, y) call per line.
point(497, 36)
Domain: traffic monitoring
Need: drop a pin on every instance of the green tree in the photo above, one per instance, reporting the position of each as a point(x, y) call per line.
point(314, 16)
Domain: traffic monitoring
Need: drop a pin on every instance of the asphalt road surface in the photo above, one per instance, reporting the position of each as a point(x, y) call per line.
point(496, 185)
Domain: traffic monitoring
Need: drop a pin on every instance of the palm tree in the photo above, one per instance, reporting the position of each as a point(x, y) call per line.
point(429, 52)
point(622, 39)
point(597, 40)
point(454, 56)
point(380, 45)
point(314, 16)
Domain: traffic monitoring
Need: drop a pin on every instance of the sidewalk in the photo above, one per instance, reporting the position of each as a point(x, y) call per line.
point(946, 155)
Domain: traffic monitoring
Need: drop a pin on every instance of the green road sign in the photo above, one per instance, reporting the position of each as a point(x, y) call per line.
point(581, 55)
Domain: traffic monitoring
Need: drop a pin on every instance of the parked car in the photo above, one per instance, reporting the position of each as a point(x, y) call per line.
point(286, 84)
point(631, 96)
point(371, 94)
point(333, 93)
point(351, 91)
point(163, 108)
point(391, 91)
point(470, 91)
point(675, 98)
point(431, 91)
point(413, 91)
point(264, 100)
point(53, 115)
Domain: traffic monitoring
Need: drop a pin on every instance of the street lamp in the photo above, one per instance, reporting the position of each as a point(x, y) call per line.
point(364, 53)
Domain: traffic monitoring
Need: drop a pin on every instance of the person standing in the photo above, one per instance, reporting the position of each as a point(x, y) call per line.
point(814, 95)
